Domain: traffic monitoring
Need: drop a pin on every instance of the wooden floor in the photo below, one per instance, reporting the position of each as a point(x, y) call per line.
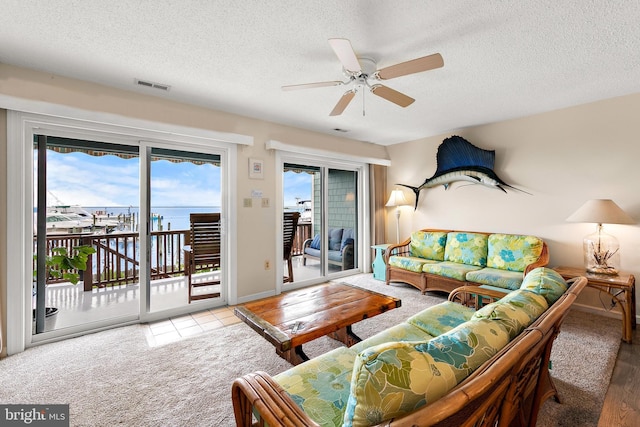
point(622, 402)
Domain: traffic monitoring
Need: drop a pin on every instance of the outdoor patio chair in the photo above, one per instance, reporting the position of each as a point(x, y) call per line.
point(203, 254)
point(289, 227)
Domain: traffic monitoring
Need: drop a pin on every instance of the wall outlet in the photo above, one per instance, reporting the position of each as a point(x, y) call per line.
point(267, 265)
point(265, 202)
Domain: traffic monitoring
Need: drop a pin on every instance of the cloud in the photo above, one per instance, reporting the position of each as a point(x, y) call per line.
point(296, 185)
point(81, 179)
point(109, 181)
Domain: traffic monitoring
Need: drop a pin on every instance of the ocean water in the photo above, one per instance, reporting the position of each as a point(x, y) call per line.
point(170, 218)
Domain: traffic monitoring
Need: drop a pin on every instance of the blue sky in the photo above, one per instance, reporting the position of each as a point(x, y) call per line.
point(81, 179)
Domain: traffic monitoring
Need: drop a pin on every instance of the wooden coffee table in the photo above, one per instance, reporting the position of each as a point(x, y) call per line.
point(293, 318)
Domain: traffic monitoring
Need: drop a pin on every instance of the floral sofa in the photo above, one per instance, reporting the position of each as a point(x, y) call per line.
point(340, 249)
point(443, 260)
point(446, 365)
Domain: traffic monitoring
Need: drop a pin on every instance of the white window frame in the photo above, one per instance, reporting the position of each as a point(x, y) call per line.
point(285, 153)
point(21, 126)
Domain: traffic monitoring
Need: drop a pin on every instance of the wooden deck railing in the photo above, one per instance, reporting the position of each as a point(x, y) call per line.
point(303, 232)
point(117, 258)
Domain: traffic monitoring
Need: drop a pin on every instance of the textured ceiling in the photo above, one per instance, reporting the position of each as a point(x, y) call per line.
point(502, 59)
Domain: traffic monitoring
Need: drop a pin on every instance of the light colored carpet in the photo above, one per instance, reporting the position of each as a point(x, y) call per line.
point(113, 377)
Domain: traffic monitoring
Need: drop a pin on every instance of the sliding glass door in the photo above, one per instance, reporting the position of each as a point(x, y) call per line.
point(327, 238)
point(182, 183)
point(84, 196)
point(132, 253)
point(342, 219)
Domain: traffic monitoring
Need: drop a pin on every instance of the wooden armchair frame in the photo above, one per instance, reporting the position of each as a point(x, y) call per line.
point(507, 390)
point(202, 252)
point(289, 227)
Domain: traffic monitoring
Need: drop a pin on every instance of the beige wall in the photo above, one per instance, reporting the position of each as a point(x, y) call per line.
point(563, 158)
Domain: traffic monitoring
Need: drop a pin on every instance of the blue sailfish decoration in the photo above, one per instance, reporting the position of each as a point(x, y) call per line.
point(459, 160)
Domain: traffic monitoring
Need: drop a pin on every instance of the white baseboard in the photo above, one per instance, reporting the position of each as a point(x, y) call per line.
point(252, 297)
point(599, 311)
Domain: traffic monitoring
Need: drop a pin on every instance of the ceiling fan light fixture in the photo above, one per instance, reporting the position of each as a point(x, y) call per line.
point(360, 71)
point(368, 68)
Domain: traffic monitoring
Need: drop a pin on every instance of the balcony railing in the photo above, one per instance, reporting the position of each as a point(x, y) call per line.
point(117, 258)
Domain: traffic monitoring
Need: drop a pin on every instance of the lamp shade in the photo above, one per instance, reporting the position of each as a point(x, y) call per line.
point(601, 250)
point(397, 199)
point(601, 211)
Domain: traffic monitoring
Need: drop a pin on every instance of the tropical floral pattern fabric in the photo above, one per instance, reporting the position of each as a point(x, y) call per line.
point(428, 244)
point(503, 279)
point(452, 270)
point(410, 263)
point(502, 255)
point(513, 252)
point(416, 362)
point(441, 318)
point(466, 248)
point(529, 303)
point(321, 385)
point(546, 282)
point(393, 379)
point(401, 332)
point(515, 311)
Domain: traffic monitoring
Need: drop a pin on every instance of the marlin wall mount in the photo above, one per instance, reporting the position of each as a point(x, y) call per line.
point(459, 160)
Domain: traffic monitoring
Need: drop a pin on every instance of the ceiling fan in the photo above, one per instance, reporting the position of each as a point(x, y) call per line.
point(362, 72)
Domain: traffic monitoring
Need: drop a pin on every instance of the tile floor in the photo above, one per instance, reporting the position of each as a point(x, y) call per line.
point(177, 328)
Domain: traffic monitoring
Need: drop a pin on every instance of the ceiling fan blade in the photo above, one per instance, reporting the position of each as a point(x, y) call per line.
point(312, 85)
point(346, 55)
point(392, 95)
point(342, 103)
point(418, 65)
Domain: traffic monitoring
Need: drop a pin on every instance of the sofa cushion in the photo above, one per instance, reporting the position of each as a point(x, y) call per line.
point(515, 311)
point(315, 243)
point(334, 256)
point(546, 282)
point(335, 239)
point(526, 302)
point(395, 378)
point(441, 318)
point(321, 385)
point(410, 263)
point(313, 252)
point(348, 237)
point(498, 278)
point(466, 248)
point(452, 270)
point(513, 252)
point(428, 244)
point(400, 332)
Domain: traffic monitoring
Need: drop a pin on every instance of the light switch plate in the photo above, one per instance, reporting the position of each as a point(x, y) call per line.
point(248, 202)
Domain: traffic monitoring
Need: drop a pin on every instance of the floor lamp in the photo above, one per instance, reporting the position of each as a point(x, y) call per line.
point(396, 200)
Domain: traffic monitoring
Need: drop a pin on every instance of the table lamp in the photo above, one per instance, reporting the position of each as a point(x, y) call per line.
point(396, 200)
point(601, 250)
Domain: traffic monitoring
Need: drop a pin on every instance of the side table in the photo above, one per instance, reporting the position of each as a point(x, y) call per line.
point(379, 267)
point(621, 285)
